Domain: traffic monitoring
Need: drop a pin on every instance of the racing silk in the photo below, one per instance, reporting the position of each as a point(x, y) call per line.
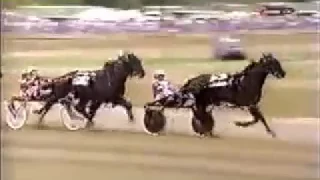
point(30, 81)
point(162, 89)
point(30, 87)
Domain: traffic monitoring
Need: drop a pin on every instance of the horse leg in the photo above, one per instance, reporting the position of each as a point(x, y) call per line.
point(209, 123)
point(128, 106)
point(92, 112)
point(205, 119)
point(44, 110)
point(257, 115)
point(81, 108)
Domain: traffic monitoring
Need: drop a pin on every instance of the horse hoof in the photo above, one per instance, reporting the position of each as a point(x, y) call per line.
point(89, 125)
point(240, 124)
point(36, 112)
point(41, 127)
point(132, 120)
point(237, 123)
point(216, 136)
point(273, 134)
point(154, 134)
point(200, 136)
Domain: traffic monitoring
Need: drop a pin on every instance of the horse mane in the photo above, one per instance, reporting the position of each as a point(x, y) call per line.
point(265, 57)
point(250, 66)
point(113, 65)
point(109, 63)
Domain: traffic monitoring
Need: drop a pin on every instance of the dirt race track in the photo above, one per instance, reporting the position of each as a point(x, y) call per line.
point(245, 154)
point(54, 153)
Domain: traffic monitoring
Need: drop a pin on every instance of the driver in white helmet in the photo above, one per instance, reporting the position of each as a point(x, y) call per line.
point(161, 87)
point(30, 76)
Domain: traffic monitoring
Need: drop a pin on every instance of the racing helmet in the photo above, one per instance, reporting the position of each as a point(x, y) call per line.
point(158, 72)
point(29, 70)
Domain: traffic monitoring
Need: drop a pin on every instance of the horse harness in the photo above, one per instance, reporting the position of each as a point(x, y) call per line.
point(83, 78)
point(217, 80)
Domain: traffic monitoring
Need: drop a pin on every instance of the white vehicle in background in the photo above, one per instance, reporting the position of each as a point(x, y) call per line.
point(228, 48)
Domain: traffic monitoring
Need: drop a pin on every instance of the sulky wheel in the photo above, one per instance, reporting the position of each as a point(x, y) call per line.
point(203, 127)
point(154, 121)
point(17, 117)
point(71, 122)
point(197, 126)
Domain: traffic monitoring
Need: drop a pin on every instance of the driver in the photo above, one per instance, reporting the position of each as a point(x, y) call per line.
point(161, 87)
point(30, 82)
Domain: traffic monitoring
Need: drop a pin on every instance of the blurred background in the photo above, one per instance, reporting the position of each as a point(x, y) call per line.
point(187, 16)
point(184, 38)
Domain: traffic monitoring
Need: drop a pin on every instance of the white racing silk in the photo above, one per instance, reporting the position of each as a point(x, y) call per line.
point(163, 89)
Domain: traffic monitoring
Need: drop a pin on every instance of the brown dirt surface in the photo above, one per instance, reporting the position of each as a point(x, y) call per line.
point(58, 154)
point(240, 154)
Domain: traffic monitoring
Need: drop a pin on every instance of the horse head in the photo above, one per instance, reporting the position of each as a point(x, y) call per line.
point(272, 65)
point(133, 63)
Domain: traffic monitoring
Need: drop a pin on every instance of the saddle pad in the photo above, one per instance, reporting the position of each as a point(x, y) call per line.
point(82, 79)
point(217, 80)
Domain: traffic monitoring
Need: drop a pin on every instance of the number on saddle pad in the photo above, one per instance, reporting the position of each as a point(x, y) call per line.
point(82, 79)
point(217, 80)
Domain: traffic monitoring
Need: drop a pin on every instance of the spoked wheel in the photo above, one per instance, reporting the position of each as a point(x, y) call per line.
point(154, 121)
point(72, 122)
point(17, 117)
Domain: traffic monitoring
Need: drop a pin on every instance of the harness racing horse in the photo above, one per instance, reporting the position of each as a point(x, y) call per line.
point(242, 91)
point(107, 86)
point(56, 88)
point(154, 119)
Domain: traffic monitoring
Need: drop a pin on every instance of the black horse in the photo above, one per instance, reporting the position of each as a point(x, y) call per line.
point(154, 118)
point(108, 86)
point(244, 89)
